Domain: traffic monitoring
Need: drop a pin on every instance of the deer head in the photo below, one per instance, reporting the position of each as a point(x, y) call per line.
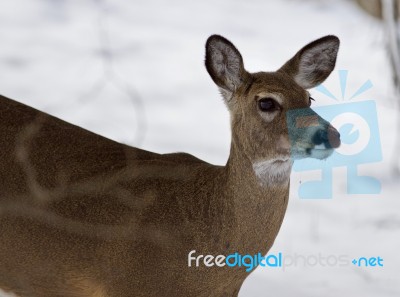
point(259, 104)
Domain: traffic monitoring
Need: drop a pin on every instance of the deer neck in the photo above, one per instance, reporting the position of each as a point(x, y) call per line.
point(259, 204)
point(255, 176)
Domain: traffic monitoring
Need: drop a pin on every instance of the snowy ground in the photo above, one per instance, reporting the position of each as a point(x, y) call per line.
point(52, 57)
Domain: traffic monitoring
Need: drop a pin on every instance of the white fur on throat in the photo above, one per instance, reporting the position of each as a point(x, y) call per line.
point(6, 294)
point(275, 171)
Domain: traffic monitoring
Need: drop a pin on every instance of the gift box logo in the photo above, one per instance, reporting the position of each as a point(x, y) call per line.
point(357, 123)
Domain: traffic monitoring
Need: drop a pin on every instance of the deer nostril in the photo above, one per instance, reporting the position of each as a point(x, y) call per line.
point(330, 137)
point(320, 137)
point(333, 137)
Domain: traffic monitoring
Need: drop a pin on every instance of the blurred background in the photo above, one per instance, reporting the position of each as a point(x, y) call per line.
point(134, 71)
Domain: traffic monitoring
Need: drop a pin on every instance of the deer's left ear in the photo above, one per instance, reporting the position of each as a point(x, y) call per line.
point(224, 64)
point(314, 62)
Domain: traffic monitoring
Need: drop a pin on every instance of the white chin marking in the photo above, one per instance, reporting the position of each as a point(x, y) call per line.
point(321, 153)
point(320, 147)
point(273, 172)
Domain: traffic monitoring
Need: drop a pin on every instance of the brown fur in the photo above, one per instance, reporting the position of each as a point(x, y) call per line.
point(82, 215)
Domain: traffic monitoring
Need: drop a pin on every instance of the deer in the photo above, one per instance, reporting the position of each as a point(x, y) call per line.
point(85, 216)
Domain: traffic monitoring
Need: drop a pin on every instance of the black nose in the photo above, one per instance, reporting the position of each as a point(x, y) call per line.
point(330, 137)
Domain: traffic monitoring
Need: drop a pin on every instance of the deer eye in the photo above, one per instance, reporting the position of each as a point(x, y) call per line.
point(268, 105)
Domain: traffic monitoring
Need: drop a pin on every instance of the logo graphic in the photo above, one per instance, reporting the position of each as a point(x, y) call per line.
point(357, 123)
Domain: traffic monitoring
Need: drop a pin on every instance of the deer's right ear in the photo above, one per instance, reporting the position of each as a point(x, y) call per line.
point(314, 62)
point(224, 64)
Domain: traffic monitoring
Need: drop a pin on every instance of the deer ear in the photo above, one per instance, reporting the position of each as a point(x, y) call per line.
point(224, 64)
point(314, 62)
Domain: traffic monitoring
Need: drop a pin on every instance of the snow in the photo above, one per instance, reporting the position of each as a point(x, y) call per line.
point(52, 57)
